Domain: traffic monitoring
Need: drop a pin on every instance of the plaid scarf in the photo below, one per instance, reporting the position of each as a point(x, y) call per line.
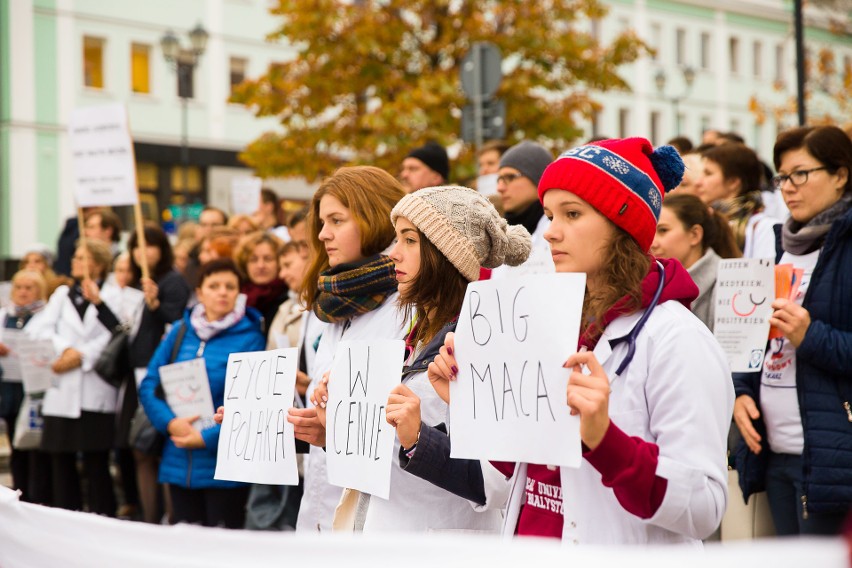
point(348, 290)
point(739, 210)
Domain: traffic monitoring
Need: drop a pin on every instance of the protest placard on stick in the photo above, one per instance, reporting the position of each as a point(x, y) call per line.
point(256, 443)
point(104, 163)
point(512, 338)
point(245, 194)
point(745, 289)
point(359, 441)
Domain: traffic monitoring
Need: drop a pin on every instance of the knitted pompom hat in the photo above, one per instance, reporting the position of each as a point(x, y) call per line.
point(465, 227)
point(624, 179)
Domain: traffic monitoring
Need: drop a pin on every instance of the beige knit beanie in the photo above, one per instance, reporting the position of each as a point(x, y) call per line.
point(465, 227)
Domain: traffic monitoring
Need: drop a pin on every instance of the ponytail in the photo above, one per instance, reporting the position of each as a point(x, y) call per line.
point(718, 235)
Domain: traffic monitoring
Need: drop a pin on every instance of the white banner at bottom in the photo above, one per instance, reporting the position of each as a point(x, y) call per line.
point(32, 535)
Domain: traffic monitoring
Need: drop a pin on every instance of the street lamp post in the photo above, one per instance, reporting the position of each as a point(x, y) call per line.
point(688, 80)
point(184, 63)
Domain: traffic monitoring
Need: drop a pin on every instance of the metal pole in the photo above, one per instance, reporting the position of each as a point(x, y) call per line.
point(675, 103)
point(800, 60)
point(477, 99)
point(184, 156)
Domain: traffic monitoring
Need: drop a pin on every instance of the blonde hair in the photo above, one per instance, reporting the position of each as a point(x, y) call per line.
point(32, 276)
point(100, 253)
point(251, 242)
point(369, 193)
point(234, 222)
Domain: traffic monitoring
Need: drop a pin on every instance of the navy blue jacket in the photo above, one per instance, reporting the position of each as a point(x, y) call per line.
point(195, 468)
point(431, 461)
point(823, 384)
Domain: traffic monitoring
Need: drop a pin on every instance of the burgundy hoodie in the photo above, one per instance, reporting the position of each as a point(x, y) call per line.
point(627, 464)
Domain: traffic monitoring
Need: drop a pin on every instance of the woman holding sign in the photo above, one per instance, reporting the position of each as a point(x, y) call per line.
point(79, 407)
point(731, 183)
point(649, 383)
point(795, 415)
point(437, 253)
point(30, 468)
point(218, 325)
point(166, 295)
point(698, 238)
point(351, 285)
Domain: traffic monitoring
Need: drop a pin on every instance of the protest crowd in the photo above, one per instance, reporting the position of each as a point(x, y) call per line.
point(672, 443)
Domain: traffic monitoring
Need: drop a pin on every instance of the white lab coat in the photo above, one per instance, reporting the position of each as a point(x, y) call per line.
point(320, 498)
point(760, 237)
point(676, 393)
point(81, 388)
point(415, 505)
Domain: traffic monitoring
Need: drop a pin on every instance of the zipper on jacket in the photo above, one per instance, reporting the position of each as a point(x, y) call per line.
point(189, 471)
point(805, 507)
point(200, 351)
point(848, 408)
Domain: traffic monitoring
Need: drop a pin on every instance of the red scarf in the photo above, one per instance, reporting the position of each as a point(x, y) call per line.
point(678, 286)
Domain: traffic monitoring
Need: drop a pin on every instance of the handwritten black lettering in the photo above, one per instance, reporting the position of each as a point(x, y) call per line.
point(252, 365)
point(363, 379)
point(481, 378)
point(278, 360)
point(237, 364)
point(541, 387)
point(507, 388)
point(334, 429)
point(474, 314)
point(517, 319)
point(258, 395)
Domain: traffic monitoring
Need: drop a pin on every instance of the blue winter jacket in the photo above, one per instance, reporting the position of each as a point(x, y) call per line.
point(823, 383)
point(194, 468)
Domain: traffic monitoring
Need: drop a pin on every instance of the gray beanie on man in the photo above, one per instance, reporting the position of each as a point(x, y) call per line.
point(529, 158)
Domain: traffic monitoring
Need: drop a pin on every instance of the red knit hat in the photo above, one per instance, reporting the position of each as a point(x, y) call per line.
point(624, 179)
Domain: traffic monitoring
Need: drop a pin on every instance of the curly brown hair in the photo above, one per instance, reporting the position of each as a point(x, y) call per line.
point(625, 266)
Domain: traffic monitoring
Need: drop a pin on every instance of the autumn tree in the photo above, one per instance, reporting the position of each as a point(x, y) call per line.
point(828, 78)
point(374, 79)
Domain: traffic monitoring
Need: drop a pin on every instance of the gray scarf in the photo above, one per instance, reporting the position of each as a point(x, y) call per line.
point(800, 239)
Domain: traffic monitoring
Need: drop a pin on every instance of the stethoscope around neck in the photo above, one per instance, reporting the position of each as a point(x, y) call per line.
point(630, 338)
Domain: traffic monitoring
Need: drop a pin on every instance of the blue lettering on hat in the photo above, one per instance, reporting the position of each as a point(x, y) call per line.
point(628, 175)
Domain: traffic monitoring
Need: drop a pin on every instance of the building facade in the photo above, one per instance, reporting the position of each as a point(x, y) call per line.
point(56, 55)
point(735, 50)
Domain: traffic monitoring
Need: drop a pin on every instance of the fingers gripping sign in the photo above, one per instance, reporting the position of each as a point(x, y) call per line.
point(444, 368)
point(588, 397)
point(319, 398)
point(403, 413)
point(307, 426)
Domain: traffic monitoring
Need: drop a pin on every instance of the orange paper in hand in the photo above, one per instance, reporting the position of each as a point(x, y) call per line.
point(783, 288)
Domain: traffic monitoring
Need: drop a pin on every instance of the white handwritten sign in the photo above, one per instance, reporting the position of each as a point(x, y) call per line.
point(745, 289)
point(359, 441)
point(102, 154)
point(256, 444)
point(245, 194)
point(187, 391)
point(512, 338)
point(36, 357)
point(11, 363)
